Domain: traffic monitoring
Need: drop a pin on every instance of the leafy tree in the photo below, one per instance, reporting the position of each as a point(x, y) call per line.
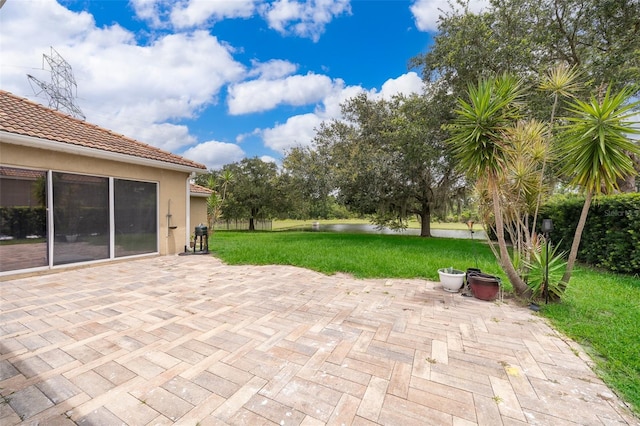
point(254, 190)
point(309, 183)
point(387, 159)
point(600, 39)
point(595, 148)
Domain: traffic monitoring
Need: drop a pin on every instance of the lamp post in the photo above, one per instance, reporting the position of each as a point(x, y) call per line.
point(547, 227)
point(470, 226)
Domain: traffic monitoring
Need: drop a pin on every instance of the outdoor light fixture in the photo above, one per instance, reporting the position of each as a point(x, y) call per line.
point(547, 227)
point(470, 226)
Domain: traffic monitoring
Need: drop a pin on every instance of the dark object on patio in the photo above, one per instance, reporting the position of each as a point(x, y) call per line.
point(466, 290)
point(203, 233)
point(484, 286)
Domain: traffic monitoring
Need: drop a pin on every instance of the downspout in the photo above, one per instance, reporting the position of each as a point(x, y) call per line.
point(188, 210)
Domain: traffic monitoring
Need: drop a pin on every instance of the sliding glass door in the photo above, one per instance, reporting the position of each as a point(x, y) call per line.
point(80, 218)
point(136, 219)
point(58, 218)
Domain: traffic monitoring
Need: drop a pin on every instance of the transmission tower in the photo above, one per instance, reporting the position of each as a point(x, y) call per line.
point(61, 89)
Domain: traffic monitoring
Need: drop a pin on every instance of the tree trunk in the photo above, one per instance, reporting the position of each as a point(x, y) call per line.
point(628, 183)
point(252, 225)
point(521, 288)
point(425, 221)
point(573, 254)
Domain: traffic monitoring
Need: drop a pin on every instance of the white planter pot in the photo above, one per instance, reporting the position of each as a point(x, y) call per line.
point(451, 279)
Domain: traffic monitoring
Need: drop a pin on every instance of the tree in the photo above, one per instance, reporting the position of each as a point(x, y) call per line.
point(596, 150)
point(218, 183)
point(471, 46)
point(387, 159)
point(601, 38)
point(309, 182)
point(480, 143)
point(253, 191)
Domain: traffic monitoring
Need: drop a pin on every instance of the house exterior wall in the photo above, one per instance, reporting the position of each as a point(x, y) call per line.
point(172, 185)
point(198, 212)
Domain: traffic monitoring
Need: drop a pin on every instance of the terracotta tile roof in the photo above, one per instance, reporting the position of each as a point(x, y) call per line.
point(26, 174)
point(199, 189)
point(24, 117)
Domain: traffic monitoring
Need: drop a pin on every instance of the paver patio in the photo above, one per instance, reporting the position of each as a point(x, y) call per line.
point(189, 340)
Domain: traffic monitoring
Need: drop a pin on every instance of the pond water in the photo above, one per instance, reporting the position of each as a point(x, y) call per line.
point(372, 229)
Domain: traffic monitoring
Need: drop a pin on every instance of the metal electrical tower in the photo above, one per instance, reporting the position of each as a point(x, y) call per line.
point(60, 90)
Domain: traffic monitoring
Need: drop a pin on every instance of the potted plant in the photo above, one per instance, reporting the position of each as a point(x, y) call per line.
point(484, 286)
point(451, 279)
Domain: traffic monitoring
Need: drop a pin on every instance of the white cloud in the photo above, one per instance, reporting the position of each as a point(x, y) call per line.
point(189, 14)
point(129, 88)
point(151, 11)
point(269, 159)
point(304, 19)
point(272, 69)
point(194, 13)
point(262, 95)
point(166, 136)
point(427, 12)
point(215, 154)
point(405, 84)
point(331, 104)
point(299, 130)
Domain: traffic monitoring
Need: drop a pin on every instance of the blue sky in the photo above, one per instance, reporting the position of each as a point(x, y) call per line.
point(218, 80)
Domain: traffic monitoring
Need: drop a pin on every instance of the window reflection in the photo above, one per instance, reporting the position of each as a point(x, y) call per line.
point(23, 219)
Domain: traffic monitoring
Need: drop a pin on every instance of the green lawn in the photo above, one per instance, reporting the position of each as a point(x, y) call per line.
point(600, 310)
point(362, 255)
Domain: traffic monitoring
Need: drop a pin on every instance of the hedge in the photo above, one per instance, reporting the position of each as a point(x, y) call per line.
point(611, 237)
point(18, 222)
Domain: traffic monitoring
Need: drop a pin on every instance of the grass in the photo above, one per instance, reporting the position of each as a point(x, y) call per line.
point(600, 310)
point(362, 255)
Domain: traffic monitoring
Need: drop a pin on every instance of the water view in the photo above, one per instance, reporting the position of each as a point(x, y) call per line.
point(372, 229)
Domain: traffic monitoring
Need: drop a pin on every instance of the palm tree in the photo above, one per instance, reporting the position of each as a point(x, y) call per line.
point(559, 81)
point(216, 199)
point(597, 150)
point(480, 142)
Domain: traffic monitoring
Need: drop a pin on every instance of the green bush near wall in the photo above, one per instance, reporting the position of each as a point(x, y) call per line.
point(18, 222)
point(611, 237)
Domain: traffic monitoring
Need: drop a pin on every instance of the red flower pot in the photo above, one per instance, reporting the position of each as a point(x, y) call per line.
point(484, 286)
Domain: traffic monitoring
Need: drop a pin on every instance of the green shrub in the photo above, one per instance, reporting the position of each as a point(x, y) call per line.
point(19, 222)
point(611, 237)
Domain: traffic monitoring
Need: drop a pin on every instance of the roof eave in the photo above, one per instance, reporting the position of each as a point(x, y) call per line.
point(34, 142)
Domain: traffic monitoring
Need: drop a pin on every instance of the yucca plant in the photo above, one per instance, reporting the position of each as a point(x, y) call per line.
point(561, 81)
point(480, 143)
point(597, 150)
point(537, 270)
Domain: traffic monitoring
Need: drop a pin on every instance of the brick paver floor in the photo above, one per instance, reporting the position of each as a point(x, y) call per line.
point(189, 340)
